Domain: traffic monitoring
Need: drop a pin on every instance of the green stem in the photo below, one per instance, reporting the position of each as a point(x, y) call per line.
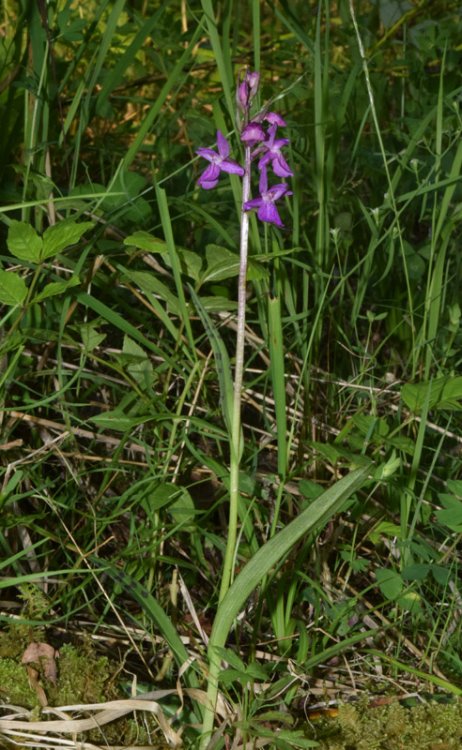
point(235, 458)
point(236, 438)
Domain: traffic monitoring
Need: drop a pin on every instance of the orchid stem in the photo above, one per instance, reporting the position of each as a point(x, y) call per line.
point(236, 433)
point(235, 457)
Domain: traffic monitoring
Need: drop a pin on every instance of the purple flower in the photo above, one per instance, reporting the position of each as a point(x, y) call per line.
point(266, 201)
point(271, 149)
point(253, 133)
point(219, 162)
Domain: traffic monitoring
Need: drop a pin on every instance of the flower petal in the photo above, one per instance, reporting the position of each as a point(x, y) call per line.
point(254, 203)
point(274, 119)
point(280, 167)
point(207, 184)
point(223, 145)
point(209, 177)
point(269, 213)
point(207, 153)
point(277, 191)
point(232, 167)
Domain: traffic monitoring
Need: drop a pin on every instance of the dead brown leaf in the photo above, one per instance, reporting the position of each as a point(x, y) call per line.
point(43, 656)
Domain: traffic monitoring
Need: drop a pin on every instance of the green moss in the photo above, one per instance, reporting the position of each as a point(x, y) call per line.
point(393, 727)
point(14, 685)
point(83, 677)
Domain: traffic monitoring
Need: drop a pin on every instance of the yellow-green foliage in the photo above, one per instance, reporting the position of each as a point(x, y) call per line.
point(430, 726)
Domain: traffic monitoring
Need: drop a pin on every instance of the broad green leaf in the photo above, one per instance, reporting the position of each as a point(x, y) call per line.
point(442, 393)
point(148, 282)
point(13, 289)
point(137, 363)
point(455, 486)
point(61, 235)
point(91, 338)
point(57, 287)
point(271, 553)
point(410, 601)
point(416, 571)
point(146, 241)
point(221, 263)
point(179, 501)
point(190, 262)
point(451, 516)
point(182, 510)
point(23, 242)
point(390, 582)
point(385, 528)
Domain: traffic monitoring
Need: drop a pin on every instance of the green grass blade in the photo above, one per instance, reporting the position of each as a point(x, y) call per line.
point(168, 233)
point(171, 83)
point(276, 349)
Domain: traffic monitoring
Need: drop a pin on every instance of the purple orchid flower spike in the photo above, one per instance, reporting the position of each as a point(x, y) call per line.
point(266, 202)
point(219, 162)
point(272, 152)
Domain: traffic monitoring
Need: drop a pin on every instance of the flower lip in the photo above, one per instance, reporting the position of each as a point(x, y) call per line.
point(266, 202)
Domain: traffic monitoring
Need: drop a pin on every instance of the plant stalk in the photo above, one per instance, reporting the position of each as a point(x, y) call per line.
point(235, 457)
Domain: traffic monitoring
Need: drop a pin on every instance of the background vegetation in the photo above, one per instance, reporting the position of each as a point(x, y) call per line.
point(118, 278)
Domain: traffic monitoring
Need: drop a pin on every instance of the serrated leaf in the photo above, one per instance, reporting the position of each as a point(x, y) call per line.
point(13, 289)
point(57, 287)
point(24, 242)
point(62, 235)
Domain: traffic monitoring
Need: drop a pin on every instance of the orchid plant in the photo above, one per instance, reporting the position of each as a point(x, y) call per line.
point(263, 147)
point(258, 133)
